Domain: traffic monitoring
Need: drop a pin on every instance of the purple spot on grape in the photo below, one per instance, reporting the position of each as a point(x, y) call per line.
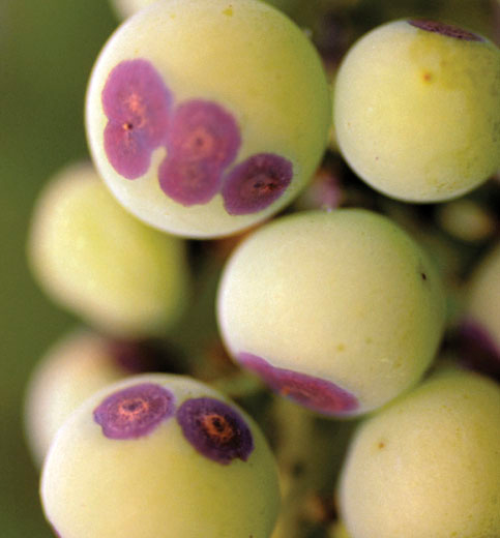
point(137, 103)
point(447, 30)
point(135, 411)
point(256, 183)
point(476, 349)
point(317, 394)
point(203, 131)
point(215, 430)
point(189, 183)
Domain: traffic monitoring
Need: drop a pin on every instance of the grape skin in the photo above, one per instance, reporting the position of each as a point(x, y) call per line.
point(247, 58)
point(417, 113)
point(344, 296)
point(427, 464)
point(95, 259)
point(158, 485)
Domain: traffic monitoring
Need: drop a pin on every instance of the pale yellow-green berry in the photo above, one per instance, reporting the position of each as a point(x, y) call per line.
point(245, 57)
point(94, 258)
point(428, 464)
point(70, 371)
point(483, 302)
point(417, 110)
point(346, 297)
point(157, 484)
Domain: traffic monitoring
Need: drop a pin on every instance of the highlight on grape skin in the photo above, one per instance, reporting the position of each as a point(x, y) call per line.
point(215, 430)
point(137, 105)
point(256, 183)
point(345, 297)
point(125, 451)
point(417, 110)
point(134, 412)
point(317, 394)
point(223, 104)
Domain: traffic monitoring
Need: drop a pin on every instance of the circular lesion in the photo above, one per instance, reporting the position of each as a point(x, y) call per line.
point(135, 411)
point(215, 430)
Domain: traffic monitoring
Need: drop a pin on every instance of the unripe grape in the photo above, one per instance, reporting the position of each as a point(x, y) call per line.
point(160, 456)
point(127, 8)
point(484, 295)
point(95, 259)
point(206, 116)
point(428, 464)
point(72, 370)
point(339, 311)
point(417, 110)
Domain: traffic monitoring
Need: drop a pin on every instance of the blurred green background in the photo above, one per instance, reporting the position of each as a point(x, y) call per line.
point(47, 49)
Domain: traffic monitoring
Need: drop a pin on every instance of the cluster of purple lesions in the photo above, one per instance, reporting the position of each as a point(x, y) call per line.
point(315, 393)
point(212, 427)
point(202, 141)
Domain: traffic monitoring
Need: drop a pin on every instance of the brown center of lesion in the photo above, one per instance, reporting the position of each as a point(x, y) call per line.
point(218, 427)
point(130, 409)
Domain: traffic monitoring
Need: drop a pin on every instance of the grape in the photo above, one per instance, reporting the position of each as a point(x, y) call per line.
point(417, 110)
point(427, 465)
point(95, 259)
point(160, 456)
point(72, 370)
point(206, 132)
point(483, 305)
point(339, 311)
point(126, 8)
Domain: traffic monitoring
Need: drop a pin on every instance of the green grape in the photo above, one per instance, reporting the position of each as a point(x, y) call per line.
point(127, 8)
point(339, 311)
point(98, 261)
point(483, 304)
point(70, 372)
point(73, 369)
point(205, 117)
point(417, 110)
point(160, 456)
point(428, 464)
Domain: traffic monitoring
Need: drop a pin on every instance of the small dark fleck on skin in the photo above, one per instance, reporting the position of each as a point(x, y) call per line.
point(256, 183)
point(137, 103)
point(427, 76)
point(381, 445)
point(447, 30)
point(215, 430)
point(135, 411)
point(423, 275)
point(317, 394)
point(189, 182)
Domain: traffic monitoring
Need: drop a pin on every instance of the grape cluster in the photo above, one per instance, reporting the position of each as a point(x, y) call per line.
point(330, 373)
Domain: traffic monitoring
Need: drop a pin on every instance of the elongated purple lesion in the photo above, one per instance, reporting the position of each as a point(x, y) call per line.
point(137, 104)
point(135, 411)
point(315, 393)
point(203, 139)
point(447, 30)
point(215, 430)
point(256, 183)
